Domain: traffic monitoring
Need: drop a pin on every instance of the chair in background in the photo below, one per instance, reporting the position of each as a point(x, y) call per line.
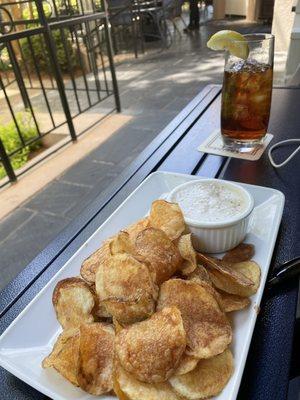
point(125, 22)
point(153, 21)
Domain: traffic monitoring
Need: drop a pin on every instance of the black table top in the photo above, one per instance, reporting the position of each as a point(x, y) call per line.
point(266, 375)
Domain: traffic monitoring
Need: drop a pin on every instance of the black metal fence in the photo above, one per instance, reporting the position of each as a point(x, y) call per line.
point(56, 64)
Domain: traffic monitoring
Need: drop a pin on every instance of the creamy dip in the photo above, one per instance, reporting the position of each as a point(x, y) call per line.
point(210, 202)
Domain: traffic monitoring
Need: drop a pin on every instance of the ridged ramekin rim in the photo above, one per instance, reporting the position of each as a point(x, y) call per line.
point(215, 225)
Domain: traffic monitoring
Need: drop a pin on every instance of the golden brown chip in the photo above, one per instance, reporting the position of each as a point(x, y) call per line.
point(187, 252)
point(232, 302)
point(134, 229)
point(117, 389)
point(168, 217)
point(208, 379)
point(122, 244)
point(200, 274)
point(118, 327)
point(126, 288)
point(151, 350)
point(90, 265)
point(159, 252)
point(242, 252)
point(187, 364)
point(64, 356)
point(207, 285)
point(226, 278)
point(207, 328)
point(133, 389)
point(225, 283)
point(100, 311)
point(73, 301)
point(96, 351)
point(251, 270)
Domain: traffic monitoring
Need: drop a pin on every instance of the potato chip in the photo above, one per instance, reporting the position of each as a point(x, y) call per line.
point(64, 356)
point(134, 229)
point(251, 270)
point(122, 244)
point(225, 283)
point(100, 311)
point(207, 328)
point(242, 252)
point(208, 379)
point(96, 352)
point(133, 389)
point(159, 252)
point(73, 301)
point(187, 364)
point(151, 350)
point(126, 288)
point(91, 264)
point(226, 278)
point(232, 302)
point(200, 274)
point(117, 389)
point(206, 284)
point(187, 252)
point(168, 217)
point(118, 327)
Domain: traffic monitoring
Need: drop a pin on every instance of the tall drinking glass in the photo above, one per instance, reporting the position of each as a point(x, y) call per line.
point(247, 92)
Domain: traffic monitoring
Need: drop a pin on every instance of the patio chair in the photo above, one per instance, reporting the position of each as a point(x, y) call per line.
point(153, 12)
point(122, 17)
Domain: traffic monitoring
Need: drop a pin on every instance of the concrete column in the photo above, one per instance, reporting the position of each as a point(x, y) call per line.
point(253, 8)
point(292, 72)
point(219, 9)
point(283, 20)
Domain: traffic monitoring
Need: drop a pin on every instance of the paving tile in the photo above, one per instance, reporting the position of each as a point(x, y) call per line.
point(88, 197)
point(28, 241)
point(13, 222)
point(87, 172)
point(58, 198)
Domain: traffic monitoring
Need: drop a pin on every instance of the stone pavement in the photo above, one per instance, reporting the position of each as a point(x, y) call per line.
point(154, 88)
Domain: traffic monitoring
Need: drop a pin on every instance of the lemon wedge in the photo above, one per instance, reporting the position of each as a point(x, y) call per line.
point(232, 41)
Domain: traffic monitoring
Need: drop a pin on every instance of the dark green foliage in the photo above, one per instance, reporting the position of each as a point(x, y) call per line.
point(5, 64)
point(11, 140)
point(40, 52)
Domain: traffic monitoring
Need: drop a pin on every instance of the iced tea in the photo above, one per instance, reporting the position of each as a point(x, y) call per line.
point(246, 101)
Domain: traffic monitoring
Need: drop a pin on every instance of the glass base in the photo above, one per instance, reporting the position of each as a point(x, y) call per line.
point(241, 146)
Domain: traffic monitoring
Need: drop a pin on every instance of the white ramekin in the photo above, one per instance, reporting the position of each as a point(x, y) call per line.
point(217, 237)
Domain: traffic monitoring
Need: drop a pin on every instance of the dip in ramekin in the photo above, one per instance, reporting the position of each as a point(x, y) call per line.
point(217, 213)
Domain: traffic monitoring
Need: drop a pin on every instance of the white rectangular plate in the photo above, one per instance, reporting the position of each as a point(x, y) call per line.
point(31, 336)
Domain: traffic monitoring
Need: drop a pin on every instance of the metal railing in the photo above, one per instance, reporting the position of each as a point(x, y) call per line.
point(60, 66)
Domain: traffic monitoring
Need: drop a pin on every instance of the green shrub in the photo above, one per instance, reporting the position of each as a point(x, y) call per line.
point(5, 64)
point(32, 13)
point(38, 43)
point(11, 140)
point(40, 52)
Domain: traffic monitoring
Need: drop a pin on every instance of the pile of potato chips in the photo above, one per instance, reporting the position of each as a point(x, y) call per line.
point(147, 319)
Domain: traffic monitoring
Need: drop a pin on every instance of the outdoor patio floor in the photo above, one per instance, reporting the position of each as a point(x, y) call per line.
point(154, 89)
